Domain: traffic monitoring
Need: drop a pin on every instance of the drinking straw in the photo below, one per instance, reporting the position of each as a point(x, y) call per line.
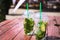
point(27, 10)
point(40, 10)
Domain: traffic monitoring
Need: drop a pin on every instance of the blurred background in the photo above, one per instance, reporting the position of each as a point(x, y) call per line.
point(50, 7)
point(50, 11)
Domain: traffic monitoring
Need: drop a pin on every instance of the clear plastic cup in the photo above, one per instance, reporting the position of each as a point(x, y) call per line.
point(28, 23)
point(40, 26)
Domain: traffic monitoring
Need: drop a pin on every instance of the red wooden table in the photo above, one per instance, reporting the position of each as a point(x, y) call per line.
point(14, 30)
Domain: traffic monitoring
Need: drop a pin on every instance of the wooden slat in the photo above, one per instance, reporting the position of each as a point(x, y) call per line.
point(12, 32)
point(21, 36)
point(8, 26)
point(53, 30)
point(58, 19)
point(5, 22)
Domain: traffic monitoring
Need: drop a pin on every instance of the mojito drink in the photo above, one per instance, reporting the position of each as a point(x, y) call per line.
point(41, 30)
point(28, 25)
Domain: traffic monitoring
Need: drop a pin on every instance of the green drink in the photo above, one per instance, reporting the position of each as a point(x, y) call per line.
point(28, 25)
point(41, 30)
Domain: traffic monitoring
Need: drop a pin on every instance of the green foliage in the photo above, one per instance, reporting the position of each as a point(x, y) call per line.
point(2, 17)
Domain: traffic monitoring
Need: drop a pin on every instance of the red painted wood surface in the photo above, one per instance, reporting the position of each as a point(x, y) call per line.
point(13, 29)
point(10, 30)
point(22, 36)
point(53, 30)
point(8, 26)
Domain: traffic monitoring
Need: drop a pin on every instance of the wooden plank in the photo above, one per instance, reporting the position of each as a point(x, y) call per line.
point(21, 36)
point(12, 32)
point(53, 30)
point(8, 26)
point(5, 22)
point(58, 19)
